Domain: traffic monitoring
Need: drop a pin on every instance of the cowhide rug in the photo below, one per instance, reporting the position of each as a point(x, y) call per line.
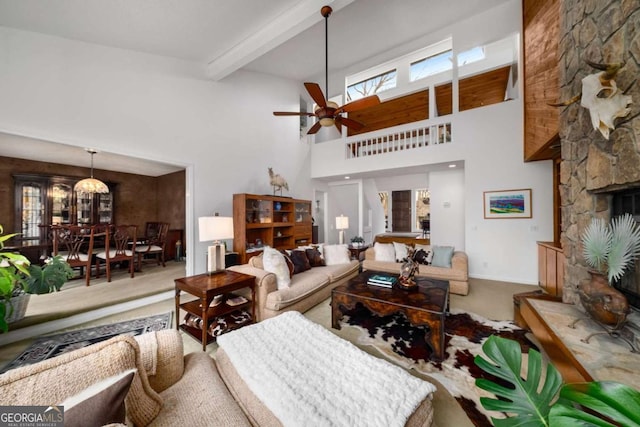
point(404, 345)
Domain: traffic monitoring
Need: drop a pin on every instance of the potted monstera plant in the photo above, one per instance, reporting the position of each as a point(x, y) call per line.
point(19, 279)
point(538, 401)
point(610, 249)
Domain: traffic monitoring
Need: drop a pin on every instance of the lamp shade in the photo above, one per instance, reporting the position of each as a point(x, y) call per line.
point(91, 185)
point(212, 228)
point(342, 222)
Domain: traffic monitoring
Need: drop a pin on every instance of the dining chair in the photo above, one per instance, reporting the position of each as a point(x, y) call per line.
point(154, 243)
point(120, 245)
point(75, 244)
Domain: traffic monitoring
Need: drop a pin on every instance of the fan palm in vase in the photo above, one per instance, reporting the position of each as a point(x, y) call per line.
point(610, 249)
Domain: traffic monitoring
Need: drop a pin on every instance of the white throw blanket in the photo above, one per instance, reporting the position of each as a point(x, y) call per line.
point(307, 376)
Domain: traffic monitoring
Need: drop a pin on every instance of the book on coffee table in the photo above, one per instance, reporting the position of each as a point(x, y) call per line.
point(382, 280)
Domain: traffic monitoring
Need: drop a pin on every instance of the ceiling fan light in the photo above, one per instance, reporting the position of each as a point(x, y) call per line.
point(327, 121)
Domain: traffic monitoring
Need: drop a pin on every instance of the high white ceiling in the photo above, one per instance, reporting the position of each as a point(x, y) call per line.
point(279, 37)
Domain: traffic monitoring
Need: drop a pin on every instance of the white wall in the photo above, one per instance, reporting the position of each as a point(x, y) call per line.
point(448, 208)
point(156, 108)
point(489, 141)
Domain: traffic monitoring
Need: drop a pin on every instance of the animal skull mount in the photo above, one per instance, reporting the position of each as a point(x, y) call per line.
point(602, 97)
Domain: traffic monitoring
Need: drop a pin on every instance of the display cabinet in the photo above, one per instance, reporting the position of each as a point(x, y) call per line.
point(279, 222)
point(42, 200)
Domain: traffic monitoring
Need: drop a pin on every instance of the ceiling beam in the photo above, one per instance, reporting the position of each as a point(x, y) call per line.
point(288, 25)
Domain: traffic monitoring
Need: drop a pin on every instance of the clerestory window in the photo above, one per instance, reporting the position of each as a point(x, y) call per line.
point(373, 85)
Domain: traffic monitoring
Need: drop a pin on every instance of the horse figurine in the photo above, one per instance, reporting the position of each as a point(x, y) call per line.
point(277, 182)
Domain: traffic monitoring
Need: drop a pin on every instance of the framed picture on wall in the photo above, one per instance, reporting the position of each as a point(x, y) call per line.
point(507, 204)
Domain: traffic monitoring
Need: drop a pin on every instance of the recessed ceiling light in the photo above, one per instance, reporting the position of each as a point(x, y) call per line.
point(347, 177)
point(452, 166)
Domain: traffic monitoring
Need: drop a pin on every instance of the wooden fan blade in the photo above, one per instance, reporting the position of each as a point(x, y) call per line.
point(352, 124)
point(316, 93)
point(285, 113)
point(359, 104)
point(338, 123)
point(315, 128)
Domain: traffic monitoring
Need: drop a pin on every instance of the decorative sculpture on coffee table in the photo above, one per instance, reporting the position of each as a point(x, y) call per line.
point(610, 249)
point(408, 272)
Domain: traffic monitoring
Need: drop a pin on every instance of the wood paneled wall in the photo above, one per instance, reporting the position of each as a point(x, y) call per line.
point(541, 78)
point(137, 198)
point(475, 91)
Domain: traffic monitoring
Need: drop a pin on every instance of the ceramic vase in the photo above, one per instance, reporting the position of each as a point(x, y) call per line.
point(603, 302)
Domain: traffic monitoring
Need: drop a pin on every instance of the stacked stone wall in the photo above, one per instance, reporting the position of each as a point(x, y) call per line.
point(603, 32)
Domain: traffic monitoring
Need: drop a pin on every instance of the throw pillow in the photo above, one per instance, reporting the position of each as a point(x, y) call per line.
point(384, 252)
point(442, 256)
point(336, 254)
point(100, 403)
point(300, 261)
point(315, 257)
point(275, 263)
point(402, 251)
point(289, 262)
point(422, 257)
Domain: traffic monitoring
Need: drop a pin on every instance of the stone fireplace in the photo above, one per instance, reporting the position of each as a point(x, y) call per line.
point(593, 169)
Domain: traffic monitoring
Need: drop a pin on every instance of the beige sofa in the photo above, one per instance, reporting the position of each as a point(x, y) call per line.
point(457, 275)
point(306, 290)
point(169, 389)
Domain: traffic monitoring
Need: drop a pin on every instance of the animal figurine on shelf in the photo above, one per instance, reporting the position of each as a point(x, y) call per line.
point(277, 182)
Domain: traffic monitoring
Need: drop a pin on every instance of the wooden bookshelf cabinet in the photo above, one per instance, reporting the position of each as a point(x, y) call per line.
point(260, 220)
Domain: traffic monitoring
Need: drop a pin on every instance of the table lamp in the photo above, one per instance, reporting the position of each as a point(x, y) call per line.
point(215, 228)
point(342, 223)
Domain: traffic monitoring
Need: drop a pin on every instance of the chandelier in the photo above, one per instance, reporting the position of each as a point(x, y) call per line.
point(91, 185)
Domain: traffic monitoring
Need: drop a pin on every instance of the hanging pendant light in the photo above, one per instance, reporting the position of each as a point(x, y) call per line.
point(91, 185)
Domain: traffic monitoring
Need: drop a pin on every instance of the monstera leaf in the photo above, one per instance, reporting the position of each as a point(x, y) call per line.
point(528, 406)
point(554, 404)
point(610, 399)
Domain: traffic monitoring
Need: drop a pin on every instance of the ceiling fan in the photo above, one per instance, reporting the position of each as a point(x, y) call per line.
point(328, 112)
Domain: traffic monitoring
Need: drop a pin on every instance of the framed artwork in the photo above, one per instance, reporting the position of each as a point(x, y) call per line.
point(507, 204)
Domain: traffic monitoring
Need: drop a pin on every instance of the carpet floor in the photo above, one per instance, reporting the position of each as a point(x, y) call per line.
point(50, 346)
point(403, 344)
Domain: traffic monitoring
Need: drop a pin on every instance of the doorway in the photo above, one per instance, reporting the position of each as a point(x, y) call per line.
point(401, 211)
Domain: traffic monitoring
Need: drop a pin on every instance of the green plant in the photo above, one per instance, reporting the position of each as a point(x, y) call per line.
point(18, 276)
point(611, 248)
point(357, 239)
point(530, 402)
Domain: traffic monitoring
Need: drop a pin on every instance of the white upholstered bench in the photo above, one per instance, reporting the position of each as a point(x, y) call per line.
point(290, 371)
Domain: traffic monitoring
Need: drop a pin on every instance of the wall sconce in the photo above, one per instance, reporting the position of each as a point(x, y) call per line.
point(215, 228)
point(342, 223)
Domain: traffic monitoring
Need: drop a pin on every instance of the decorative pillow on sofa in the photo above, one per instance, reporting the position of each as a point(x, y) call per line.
point(275, 263)
point(423, 254)
point(401, 250)
point(384, 252)
point(422, 257)
point(287, 259)
point(99, 404)
point(315, 257)
point(300, 261)
point(442, 256)
point(336, 254)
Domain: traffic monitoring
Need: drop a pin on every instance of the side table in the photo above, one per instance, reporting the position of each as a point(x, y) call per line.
point(357, 250)
point(206, 287)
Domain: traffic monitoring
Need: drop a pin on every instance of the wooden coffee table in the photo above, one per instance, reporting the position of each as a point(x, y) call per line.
point(427, 305)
